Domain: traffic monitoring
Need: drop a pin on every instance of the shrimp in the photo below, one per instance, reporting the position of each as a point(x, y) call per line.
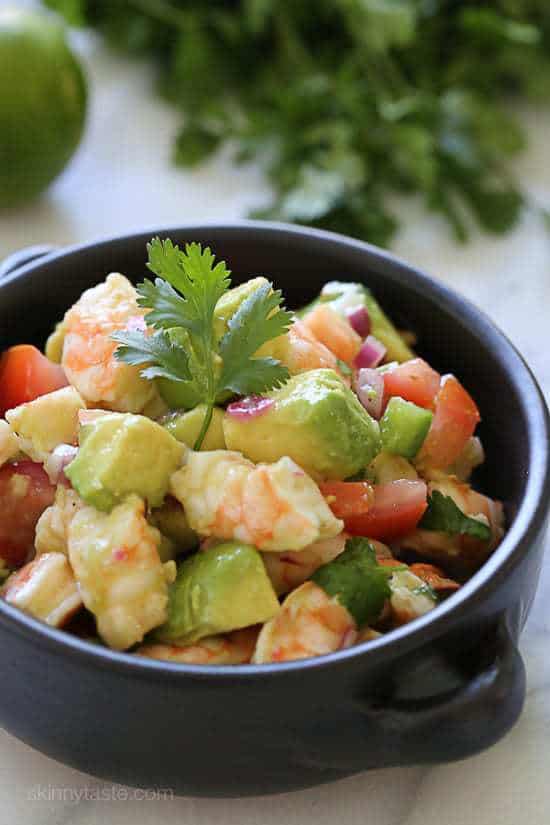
point(434, 577)
point(88, 350)
point(46, 588)
point(9, 443)
point(410, 597)
point(234, 648)
point(468, 551)
point(334, 331)
point(51, 534)
point(272, 506)
point(116, 562)
point(367, 634)
point(309, 623)
point(305, 352)
point(290, 569)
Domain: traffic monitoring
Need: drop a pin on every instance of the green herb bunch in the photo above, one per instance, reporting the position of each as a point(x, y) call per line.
point(348, 102)
point(180, 344)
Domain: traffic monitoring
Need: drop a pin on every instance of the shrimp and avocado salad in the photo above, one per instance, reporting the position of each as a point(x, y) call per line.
point(193, 473)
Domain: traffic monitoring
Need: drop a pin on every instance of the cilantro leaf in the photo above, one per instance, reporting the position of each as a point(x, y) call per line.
point(166, 358)
point(357, 580)
point(443, 514)
point(167, 308)
point(195, 275)
point(258, 320)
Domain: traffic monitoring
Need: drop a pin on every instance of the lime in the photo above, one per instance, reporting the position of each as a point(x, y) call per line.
point(42, 103)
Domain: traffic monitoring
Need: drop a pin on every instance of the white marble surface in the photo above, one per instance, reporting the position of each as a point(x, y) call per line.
point(121, 180)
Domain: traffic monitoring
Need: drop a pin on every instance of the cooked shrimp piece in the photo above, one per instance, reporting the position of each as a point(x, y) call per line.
point(46, 588)
point(471, 457)
point(272, 506)
point(367, 634)
point(290, 569)
point(115, 558)
point(234, 648)
point(309, 623)
point(9, 444)
point(434, 577)
point(88, 349)
point(334, 331)
point(410, 597)
point(447, 548)
point(51, 534)
point(306, 352)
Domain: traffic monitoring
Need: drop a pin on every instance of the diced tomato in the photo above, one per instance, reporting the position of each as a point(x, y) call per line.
point(396, 510)
point(414, 381)
point(348, 498)
point(25, 374)
point(455, 419)
point(25, 492)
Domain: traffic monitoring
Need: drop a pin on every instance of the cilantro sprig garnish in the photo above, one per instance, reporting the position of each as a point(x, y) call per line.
point(181, 344)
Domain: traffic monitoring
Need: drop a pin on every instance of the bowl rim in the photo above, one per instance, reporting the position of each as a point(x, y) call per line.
point(528, 522)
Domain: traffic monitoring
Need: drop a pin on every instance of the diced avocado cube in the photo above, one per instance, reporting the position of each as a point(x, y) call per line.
point(221, 589)
point(170, 519)
point(315, 420)
point(403, 427)
point(120, 454)
point(345, 296)
point(47, 421)
point(388, 467)
point(54, 344)
point(231, 300)
point(186, 426)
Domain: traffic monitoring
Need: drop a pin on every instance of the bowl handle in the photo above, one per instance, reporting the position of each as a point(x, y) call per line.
point(24, 256)
point(460, 722)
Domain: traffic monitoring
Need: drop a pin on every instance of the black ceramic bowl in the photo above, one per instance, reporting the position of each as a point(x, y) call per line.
point(441, 688)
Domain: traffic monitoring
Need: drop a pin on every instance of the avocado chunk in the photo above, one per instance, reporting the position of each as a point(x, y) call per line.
point(221, 589)
point(185, 426)
point(345, 296)
point(316, 421)
point(231, 300)
point(55, 342)
point(46, 422)
point(120, 454)
point(171, 520)
point(403, 427)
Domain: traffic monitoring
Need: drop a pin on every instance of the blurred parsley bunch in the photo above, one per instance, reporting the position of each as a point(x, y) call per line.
point(347, 102)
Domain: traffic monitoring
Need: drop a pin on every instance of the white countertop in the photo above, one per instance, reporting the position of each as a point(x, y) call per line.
point(122, 180)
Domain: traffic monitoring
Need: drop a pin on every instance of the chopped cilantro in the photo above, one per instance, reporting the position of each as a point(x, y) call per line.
point(443, 514)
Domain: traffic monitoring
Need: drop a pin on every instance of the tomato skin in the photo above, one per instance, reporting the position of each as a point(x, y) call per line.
point(397, 508)
point(25, 374)
point(348, 498)
point(414, 381)
point(455, 418)
point(25, 492)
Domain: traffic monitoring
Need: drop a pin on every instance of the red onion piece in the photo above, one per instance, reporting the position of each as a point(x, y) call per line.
point(371, 353)
point(250, 407)
point(359, 319)
point(56, 462)
point(136, 324)
point(370, 391)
